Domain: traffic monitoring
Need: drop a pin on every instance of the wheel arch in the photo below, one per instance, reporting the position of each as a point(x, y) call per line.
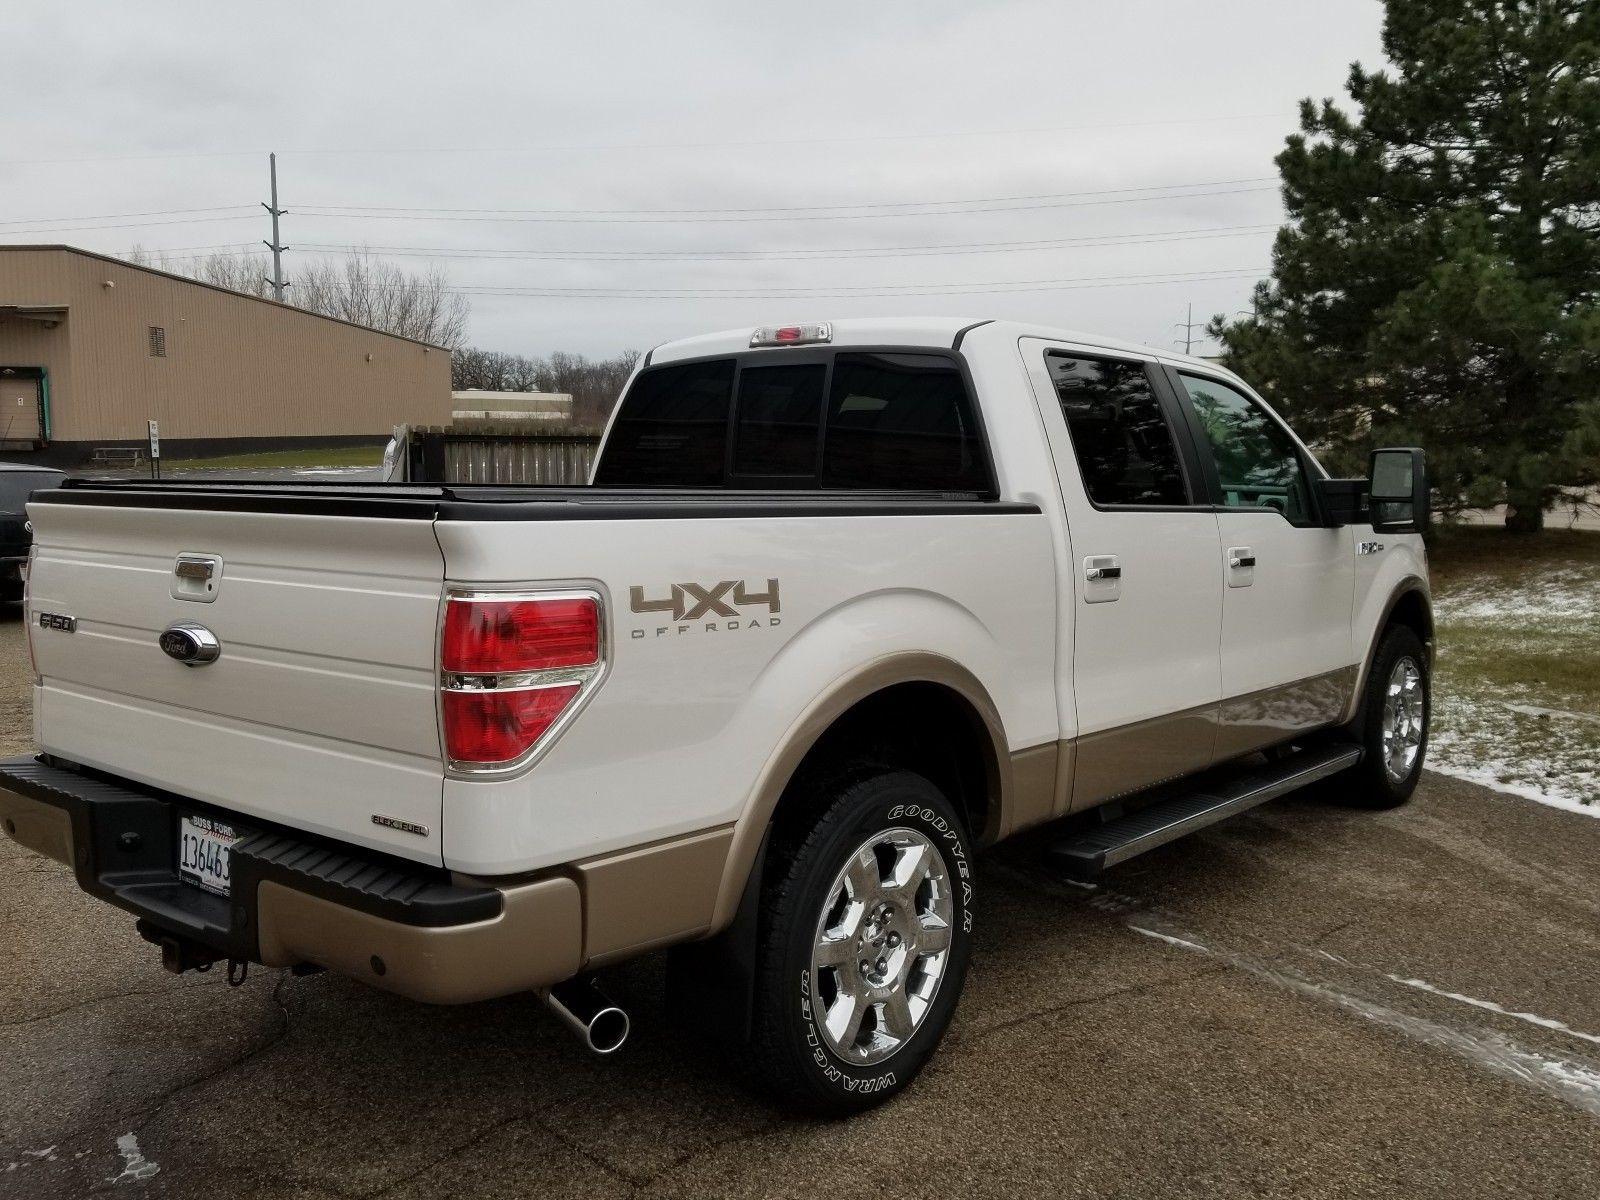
point(901, 687)
point(1409, 604)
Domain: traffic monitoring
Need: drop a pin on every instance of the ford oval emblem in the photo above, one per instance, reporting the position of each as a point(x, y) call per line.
point(190, 643)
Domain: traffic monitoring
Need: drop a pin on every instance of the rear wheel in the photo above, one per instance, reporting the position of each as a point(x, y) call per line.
point(1396, 708)
point(866, 930)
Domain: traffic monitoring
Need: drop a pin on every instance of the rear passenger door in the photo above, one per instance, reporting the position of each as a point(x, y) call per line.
point(1145, 585)
point(1286, 642)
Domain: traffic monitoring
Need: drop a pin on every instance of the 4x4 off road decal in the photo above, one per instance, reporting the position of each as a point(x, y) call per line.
point(730, 601)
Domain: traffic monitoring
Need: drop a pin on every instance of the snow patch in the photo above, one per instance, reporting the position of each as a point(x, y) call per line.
point(136, 1168)
point(1576, 1083)
point(1169, 939)
point(1423, 985)
point(1533, 710)
point(1492, 774)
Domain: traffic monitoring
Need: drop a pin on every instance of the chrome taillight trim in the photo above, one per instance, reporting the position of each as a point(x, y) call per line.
point(587, 677)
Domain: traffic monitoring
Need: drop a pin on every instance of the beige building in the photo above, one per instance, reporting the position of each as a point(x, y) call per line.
point(92, 347)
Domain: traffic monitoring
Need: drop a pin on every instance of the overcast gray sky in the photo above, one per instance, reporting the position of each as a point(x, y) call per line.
point(1094, 166)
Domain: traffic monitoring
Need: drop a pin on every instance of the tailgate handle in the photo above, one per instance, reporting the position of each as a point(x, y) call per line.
point(197, 569)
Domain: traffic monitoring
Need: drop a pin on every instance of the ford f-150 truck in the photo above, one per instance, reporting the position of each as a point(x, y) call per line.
point(843, 604)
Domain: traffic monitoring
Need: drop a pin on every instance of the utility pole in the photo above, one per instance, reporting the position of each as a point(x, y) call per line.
point(1188, 328)
point(275, 245)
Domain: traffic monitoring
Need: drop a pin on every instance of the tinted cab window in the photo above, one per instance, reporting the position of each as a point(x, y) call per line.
point(1258, 464)
point(1125, 448)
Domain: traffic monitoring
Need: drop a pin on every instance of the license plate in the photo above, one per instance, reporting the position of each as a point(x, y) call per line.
point(204, 848)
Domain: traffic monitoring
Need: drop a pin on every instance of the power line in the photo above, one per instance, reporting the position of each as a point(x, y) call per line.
point(164, 212)
point(788, 208)
point(854, 216)
point(249, 216)
point(566, 147)
point(863, 211)
point(801, 255)
point(923, 289)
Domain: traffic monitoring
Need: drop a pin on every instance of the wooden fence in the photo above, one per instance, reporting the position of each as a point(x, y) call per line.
point(511, 452)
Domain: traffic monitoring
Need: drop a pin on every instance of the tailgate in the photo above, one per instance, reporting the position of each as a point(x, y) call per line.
point(319, 712)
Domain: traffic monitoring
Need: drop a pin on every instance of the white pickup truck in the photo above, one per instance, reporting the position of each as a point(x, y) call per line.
point(843, 604)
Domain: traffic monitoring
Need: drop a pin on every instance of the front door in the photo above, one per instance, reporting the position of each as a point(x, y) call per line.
point(19, 408)
point(1287, 653)
point(1144, 583)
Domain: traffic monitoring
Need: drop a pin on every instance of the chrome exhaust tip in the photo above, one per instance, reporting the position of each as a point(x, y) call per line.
point(589, 1013)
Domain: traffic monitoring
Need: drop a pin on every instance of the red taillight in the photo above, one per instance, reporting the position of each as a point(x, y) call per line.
point(510, 668)
point(496, 637)
point(493, 727)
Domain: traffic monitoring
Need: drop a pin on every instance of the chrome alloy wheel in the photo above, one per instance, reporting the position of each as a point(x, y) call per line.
point(1404, 715)
point(882, 946)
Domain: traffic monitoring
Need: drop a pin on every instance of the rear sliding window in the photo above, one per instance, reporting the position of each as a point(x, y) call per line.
point(851, 420)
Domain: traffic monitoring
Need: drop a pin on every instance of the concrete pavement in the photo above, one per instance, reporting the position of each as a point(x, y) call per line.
point(1307, 1001)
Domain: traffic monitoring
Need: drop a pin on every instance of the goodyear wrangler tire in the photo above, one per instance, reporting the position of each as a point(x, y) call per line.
point(865, 937)
point(1395, 713)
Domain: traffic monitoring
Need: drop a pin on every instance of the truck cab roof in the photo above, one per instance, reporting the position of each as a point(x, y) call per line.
point(942, 333)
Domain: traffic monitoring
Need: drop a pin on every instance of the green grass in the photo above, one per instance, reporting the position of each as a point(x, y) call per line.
point(273, 460)
point(1517, 690)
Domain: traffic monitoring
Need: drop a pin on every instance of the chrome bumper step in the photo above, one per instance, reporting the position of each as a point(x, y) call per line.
point(1084, 856)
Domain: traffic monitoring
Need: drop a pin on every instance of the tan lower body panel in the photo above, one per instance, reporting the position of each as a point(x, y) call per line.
point(537, 940)
point(1035, 776)
point(1277, 714)
point(1117, 762)
point(646, 897)
point(42, 828)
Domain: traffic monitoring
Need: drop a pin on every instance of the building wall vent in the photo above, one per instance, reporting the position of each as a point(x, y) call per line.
point(158, 342)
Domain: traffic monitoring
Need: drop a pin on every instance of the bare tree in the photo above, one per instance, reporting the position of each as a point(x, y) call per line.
point(495, 371)
point(236, 270)
point(593, 384)
point(372, 291)
point(359, 287)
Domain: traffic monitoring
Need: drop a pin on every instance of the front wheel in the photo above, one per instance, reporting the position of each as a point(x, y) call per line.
point(1396, 709)
point(866, 934)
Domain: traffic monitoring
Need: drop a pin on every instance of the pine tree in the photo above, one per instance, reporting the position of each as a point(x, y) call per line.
point(1438, 282)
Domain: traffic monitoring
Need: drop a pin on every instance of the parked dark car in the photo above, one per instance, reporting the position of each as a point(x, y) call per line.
point(18, 481)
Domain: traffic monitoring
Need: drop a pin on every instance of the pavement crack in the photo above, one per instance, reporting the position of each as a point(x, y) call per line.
point(148, 1114)
point(578, 1148)
point(1137, 989)
point(105, 999)
point(699, 1152)
point(478, 1137)
point(140, 1117)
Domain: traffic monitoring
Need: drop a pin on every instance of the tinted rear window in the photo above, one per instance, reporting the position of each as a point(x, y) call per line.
point(672, 430)
point(881, 421)
point(780, 409)
point(901, 421)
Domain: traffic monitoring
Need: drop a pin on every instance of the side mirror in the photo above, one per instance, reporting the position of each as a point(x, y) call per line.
point(1398, 493)
point(1343, 501)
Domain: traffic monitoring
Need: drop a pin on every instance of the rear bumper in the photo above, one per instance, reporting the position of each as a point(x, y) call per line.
point(394, 925)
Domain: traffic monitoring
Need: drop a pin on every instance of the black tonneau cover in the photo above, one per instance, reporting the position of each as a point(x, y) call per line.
point(489, 502)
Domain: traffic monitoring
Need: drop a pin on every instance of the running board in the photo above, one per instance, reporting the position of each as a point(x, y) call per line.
point(1084, 856)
